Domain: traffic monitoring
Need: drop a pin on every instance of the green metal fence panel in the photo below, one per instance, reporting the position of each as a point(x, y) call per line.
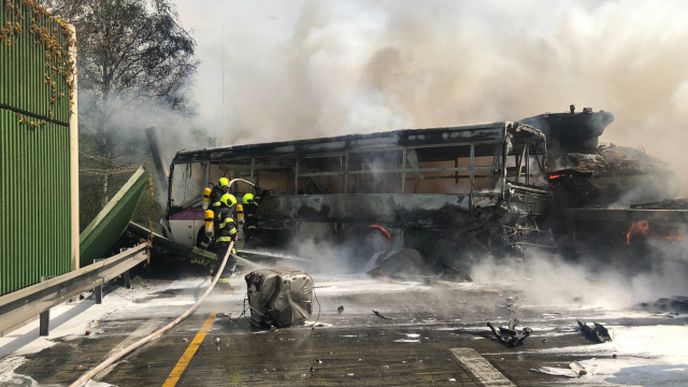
point(34, 62)
point(34, 146)
point(34, 202)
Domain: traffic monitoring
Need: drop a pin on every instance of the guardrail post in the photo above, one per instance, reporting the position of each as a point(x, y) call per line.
point(98, 290)
point(44, 325)
point(44, 316)
point(126, 278)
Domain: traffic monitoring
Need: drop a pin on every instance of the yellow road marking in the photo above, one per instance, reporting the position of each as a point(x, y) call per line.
point(184, 361)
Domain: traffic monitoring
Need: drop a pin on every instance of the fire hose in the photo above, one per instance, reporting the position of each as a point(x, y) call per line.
point(84, 378)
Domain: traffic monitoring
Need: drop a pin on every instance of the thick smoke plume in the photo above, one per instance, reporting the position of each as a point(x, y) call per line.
point(300, 69)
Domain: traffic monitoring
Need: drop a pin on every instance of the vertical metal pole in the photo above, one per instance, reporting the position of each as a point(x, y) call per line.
point(126, 278)
point(99, 294)
point(253, 165)
point(403, 170)
point(527, 161)
point(296, 177)
point(44, 325)
point(207, 174)
point(505, 155)
point(346, 172)
point(341, 173)
point(471, 166)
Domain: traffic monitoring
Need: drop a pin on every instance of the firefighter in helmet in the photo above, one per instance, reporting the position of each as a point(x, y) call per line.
point(250, 207)
point(218, 190)
point(225, 229)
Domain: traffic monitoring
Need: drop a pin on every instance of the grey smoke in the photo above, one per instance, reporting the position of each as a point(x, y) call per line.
point(298, 69)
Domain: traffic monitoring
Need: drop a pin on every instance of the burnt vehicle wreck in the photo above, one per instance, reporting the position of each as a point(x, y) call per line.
point(449, 193)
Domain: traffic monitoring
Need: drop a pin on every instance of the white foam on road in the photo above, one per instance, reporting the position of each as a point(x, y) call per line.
point(78, 317)
point(646, 356)
point(9, 378)
point(363, 284)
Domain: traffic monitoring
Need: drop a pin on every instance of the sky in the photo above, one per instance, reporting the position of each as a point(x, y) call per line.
point(279, 70)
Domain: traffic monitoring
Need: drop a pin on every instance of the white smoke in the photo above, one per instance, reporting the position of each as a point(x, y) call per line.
point(548, 279)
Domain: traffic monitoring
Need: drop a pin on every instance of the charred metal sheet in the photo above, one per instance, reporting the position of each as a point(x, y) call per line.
point(572, 130)
point(478, 133)
point(527, 200)
point(629, 214)
point(494, 132)
point(397, 209)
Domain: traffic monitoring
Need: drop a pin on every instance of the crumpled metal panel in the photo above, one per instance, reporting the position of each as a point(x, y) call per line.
point(97, 240)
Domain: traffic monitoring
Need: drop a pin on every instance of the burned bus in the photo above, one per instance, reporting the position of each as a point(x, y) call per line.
point(437, 190)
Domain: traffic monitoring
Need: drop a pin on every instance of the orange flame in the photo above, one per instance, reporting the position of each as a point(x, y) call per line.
point(641, 228)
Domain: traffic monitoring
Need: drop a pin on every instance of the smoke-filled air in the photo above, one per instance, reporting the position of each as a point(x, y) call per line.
point(302, 69)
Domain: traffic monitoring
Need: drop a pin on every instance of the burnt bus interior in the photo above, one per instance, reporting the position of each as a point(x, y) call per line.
point(447, 161)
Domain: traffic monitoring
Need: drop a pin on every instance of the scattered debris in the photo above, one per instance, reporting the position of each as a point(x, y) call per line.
point(378, 314)
point(340, 309)
point(312, 368)
point(597, 332)
point(555, 371)
point(218, 340)
point(676, 304)
point(575, 370)
point(509, 336)
point(578, 368)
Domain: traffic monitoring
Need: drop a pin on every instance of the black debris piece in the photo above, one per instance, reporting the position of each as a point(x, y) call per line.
point(510, 336)
point(597, 333)
point(378, 314)
point(340, 309)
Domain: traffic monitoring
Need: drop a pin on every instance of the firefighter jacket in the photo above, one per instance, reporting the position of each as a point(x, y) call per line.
point(215, 196)
point(225, 227)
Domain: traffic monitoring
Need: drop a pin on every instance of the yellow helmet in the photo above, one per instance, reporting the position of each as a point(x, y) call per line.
point(228, 200)
point(224, 182)
point(248, 197)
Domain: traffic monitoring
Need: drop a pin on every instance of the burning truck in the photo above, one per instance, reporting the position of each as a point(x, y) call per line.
point(445, 194)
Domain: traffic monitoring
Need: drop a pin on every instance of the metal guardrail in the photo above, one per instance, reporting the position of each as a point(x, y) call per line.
point(22, 306)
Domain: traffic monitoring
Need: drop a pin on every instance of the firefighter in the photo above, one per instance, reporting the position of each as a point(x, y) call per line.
point(225, 229)
point(220, 189)
point(250, 206)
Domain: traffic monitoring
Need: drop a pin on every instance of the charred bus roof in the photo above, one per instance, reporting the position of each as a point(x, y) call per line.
point(484, 133)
